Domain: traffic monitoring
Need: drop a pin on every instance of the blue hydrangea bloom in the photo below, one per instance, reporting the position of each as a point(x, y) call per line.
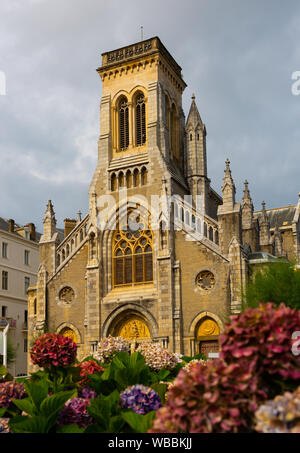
point(140, 399)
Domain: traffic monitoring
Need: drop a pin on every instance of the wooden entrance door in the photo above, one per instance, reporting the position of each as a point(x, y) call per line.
point(208, 346)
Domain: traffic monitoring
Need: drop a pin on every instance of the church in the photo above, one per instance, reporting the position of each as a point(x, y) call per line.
point(160, 256)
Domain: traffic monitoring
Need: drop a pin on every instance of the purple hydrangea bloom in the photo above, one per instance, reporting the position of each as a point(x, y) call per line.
point(75, 412)
point(140, 399)
point(87, 393)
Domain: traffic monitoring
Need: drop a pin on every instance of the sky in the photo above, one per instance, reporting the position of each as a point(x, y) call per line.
point(237, 56)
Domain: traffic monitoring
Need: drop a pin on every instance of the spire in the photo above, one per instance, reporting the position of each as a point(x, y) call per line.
point(264, 226)
point(228, 188)
point(194, 118)
point(49, 223)
point(247, 207)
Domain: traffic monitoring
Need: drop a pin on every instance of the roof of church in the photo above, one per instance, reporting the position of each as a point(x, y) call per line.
point(283, 215)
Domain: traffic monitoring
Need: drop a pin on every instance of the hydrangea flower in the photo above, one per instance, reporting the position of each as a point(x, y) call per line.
point(262, 339)
point(75, 412)
point(4, 428)
point(88, 367)
point(159, 358)
point(193, 363)
point(140, 399)
point(87, 393)
point(11, 390)
point(210, 398)
point(55, 350)
point(109, 346)
point(280, 415)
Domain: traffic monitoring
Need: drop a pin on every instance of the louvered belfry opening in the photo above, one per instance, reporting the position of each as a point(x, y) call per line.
point(140, 113)
point(123, 123)
point(132, 254)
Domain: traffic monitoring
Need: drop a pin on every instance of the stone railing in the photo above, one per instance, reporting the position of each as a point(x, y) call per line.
point(197, 226)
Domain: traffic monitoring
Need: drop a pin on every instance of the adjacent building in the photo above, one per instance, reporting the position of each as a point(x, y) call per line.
point(19, 261)
point(160, 255)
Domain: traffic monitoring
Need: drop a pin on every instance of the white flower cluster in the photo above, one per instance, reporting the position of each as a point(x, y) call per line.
point(109, 346)
point(159, 358)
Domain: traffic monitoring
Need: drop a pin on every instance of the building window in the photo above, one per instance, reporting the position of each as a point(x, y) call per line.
point(4, 250)
point(25, 316)
point(25, 345)
point(4, 280)
point(3, 311)
point(132, 254)
point(26, 257)
point(26, 284)
point(140, 120)
point(205, 280)
point(123, 123)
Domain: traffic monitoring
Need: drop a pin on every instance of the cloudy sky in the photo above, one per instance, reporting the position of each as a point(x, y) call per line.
point(237, 56)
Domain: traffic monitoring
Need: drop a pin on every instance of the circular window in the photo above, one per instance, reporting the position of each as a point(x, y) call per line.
point(205, 280)
point(66, 295)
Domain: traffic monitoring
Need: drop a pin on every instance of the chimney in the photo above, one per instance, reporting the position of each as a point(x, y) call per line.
point(69, 225)
point(32, 231)
point(11, 226)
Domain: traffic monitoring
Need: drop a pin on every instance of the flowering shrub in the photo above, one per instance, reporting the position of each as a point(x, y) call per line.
point(52, 349)
point(109, 346)
point(140, 399)
point(11, 390)
point(4, 428)
point(210, 398)
point(261, 339)
point(193, 363)
point(88, 367)
point(75, 412)
point(281, 415)
point(158, 358)
point(87, 393)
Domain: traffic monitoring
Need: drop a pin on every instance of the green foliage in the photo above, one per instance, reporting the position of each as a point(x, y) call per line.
point(139, 423)
point(276, 282)
point(42, 410)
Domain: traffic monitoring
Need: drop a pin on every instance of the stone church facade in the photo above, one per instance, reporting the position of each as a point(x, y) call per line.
point(160, 255)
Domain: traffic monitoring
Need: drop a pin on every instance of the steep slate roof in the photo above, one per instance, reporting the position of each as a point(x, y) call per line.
point(4, 226)
point(284, 216)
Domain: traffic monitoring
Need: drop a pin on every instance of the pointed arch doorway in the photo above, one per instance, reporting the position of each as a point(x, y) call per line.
point(207, 336)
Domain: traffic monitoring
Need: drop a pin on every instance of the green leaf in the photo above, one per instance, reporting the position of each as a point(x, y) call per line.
point(2, 411)
point(161, 390)
point(70, 429)
point(36, 424)
point(139, 423)
point(25, 405)
point(52, 405)
point(37, 391)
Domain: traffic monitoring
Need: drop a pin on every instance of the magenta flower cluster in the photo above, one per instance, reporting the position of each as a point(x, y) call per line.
point(210, 398)
point(11, 390)
point(55, 350)
point(261, 338)
point(140, 399)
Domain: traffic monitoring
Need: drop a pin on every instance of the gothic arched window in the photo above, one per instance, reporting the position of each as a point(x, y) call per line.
point(123, 111)
point(140, 120)
point(132, 254)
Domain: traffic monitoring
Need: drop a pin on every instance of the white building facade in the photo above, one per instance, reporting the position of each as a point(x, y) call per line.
point(19, 261)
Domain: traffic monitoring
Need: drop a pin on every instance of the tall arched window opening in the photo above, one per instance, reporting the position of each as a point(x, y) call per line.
point(132, 254)
point(123, 123)
point(140, 119)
